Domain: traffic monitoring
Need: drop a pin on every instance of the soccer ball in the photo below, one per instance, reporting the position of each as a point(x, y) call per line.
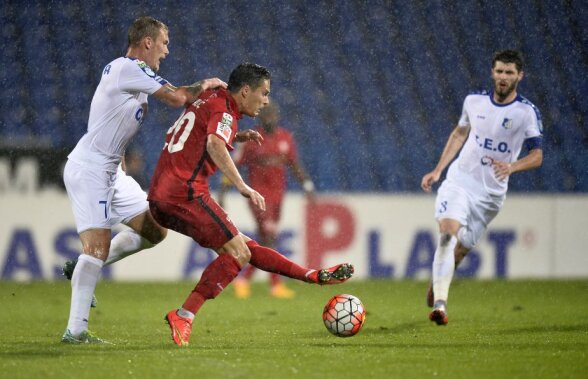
point(344, 315)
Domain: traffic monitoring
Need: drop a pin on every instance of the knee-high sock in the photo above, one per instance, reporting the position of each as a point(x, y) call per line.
point(248, 272)
point(216, 276)
point(126, 243)
point(270, 260)
point(443, 266)
point(83, 283)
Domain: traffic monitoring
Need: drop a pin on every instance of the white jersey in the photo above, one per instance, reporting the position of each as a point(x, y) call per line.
point(497, 132)
point(117, 111)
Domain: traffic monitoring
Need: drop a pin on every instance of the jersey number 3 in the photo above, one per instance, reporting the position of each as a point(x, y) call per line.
point(176, 143)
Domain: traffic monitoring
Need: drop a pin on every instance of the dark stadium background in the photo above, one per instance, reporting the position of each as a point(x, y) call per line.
point(371, 89)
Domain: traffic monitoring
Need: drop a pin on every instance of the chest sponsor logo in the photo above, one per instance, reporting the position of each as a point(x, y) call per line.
point(492, 145)
point(487, 161)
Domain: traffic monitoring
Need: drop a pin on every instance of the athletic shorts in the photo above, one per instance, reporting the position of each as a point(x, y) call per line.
point(267, 221)
point(102, 199)
point(202, 219)
point(473, 210)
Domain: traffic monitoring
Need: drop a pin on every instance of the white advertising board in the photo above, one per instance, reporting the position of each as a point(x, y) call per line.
point(383, 235)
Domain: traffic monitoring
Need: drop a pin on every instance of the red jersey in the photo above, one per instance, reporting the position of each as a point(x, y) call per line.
point(267, 163)
point(184, 165)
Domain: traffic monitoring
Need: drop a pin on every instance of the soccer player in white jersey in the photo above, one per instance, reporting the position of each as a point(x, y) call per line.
point(491, 132)
point(100, 192)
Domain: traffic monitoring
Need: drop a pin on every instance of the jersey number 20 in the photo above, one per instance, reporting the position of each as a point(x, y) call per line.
point(187, 120)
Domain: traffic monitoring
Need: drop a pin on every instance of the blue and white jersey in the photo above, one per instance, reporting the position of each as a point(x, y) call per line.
point(117, 111)
point(497, 132)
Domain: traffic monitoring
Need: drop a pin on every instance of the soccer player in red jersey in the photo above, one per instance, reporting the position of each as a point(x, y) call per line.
point(195, 147)
point(267, 166)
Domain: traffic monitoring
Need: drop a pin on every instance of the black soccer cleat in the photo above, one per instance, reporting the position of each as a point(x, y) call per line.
point(336, 274)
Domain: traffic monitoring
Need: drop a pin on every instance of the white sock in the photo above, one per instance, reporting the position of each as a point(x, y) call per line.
point(443, 266)
point(185, 313)
point(466, 237)
point(83, 283)
point(126, 243)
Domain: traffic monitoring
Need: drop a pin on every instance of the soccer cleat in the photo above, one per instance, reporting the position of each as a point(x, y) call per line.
point(430, 296)
point(280, 291)
point(439, 313)
point(181, 328)
point(336, 274)
point(68, 269)
point(83, 337)
point(242, 289)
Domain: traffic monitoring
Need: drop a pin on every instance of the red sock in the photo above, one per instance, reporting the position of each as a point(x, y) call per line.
point(270, 260)
point(216, 276)
point(247, 272)
point(275, 279)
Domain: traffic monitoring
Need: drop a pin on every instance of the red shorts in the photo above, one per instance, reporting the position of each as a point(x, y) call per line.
point(202, 219)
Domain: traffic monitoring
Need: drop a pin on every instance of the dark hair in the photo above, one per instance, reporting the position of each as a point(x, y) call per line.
point(509, 56)
point(144, 26)
point(248, 74)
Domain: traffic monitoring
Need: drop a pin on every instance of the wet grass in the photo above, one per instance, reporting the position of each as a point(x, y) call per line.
point(497, 329)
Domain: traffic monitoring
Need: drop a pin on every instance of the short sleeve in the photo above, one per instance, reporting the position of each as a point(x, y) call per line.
point(534, 125)
point(224, 126)
point(136, 76)
point(464, 120)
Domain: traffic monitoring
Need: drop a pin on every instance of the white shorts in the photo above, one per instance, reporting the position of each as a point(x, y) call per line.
point(473, 210)
point(101, 199)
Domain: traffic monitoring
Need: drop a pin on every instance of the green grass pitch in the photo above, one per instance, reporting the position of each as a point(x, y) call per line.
point(497, 329)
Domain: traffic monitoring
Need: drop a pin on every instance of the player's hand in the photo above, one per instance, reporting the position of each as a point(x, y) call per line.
point(254, 196)
point(248, 135)
point(502, 170)
point(428, 181)
point(213, 83)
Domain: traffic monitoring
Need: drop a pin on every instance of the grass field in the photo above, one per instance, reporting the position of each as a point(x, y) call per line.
point(497, 329)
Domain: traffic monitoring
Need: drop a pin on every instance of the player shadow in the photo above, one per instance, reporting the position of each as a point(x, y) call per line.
point(394, 329)
point(546, 329)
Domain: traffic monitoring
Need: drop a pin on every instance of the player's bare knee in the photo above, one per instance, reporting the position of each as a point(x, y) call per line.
point(238, 249)
point(157, 235)
point(96, 252)
point(243, 256)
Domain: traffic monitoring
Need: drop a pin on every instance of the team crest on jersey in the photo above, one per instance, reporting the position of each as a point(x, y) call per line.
point(223, 128)
point(146, 69)
point(507, 123)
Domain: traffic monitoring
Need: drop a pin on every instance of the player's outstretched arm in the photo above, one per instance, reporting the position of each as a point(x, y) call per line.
point(303, 178)
point(181, 96)
point(454, 144)
point(219, 154)
point(503, 170)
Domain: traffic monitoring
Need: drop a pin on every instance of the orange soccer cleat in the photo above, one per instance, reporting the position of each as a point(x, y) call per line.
point(181, 328)
point(439, 316)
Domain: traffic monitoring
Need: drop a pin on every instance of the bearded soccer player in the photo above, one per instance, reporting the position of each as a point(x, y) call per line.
point(491, 132)
point(196, 146)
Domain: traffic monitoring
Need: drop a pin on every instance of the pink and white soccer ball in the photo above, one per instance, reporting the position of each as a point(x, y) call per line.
point(344, 315)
